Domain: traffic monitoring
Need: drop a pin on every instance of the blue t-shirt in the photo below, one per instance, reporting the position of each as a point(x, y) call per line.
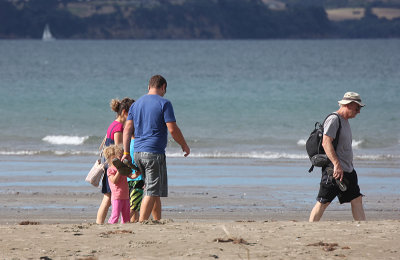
point(150, 113)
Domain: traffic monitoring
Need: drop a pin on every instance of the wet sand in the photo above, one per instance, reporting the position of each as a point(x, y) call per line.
point(55, 205)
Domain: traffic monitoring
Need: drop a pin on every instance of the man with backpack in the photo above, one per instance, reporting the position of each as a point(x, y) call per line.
point(341, 160)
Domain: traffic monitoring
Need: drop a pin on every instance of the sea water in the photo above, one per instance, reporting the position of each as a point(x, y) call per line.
point(248, 101)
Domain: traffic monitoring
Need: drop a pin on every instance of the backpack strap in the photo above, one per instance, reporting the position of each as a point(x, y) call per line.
point(336, 140)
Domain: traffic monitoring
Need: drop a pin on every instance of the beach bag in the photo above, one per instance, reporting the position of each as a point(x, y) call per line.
point(96, 173)
point(314, 147)
point(98, 169)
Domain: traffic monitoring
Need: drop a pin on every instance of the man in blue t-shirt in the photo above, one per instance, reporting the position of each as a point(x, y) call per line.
point(150, 118)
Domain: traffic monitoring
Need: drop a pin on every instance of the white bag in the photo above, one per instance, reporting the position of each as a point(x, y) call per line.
point(98, 169)
point(96, 173)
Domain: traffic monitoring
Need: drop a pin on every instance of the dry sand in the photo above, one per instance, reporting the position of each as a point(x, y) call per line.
point(204, 240)
point(196, 226)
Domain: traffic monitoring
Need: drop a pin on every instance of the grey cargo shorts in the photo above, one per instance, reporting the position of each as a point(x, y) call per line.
point(154, 170)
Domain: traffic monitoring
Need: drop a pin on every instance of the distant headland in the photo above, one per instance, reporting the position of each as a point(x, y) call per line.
point(200, 19)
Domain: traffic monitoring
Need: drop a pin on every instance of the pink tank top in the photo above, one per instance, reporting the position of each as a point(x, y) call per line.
point(112, 129)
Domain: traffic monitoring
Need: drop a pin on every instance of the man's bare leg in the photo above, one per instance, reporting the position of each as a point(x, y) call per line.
point(318, 211)
point(357, 209)
point(156, 212)
point(146, 208)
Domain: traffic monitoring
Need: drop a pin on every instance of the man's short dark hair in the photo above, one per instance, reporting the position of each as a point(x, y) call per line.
point(157, 81)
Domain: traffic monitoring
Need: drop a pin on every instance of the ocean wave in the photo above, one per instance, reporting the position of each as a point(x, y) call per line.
point(266, 155)
point(279, 156)
point(377, 157)
point(250, 155)
point(65, 140)
point(355, 144)
point(302, 142)
point(19, 152)
point(47, 153)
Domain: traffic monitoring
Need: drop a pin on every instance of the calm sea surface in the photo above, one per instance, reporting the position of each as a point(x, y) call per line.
point(253, 101)
point(232, 98)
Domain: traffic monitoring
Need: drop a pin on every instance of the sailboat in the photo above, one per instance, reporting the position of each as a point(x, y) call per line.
point(47, 34)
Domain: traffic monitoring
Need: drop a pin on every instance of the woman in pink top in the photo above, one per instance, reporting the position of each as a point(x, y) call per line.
point(119, 187)
point(114, 136)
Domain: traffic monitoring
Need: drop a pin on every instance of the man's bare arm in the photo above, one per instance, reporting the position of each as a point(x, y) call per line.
point(178, 137)
point(127, 135)
point(330, 152)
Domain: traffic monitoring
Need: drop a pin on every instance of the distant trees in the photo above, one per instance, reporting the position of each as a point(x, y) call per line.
point(31, 19)
point(194, 19)
point(9, 20)
point(232, 19)
point(369, 27)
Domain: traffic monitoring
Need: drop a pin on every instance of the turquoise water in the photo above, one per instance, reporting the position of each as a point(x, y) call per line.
point(235, 99)
point(245, 108)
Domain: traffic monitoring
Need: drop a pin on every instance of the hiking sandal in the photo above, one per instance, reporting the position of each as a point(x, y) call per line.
point(131, 165)
point(341, 184)
point(122, 168)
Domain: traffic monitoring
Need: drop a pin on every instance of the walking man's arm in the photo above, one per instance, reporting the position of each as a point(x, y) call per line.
point(330, 152)
point(178, 137)
point(127, 135)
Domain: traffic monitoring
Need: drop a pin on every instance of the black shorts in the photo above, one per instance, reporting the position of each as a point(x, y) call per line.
point(328, 189)
point(105, 187)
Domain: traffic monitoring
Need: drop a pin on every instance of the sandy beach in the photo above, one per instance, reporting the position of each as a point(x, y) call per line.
point(51, 215)
point(195, 225)
point(203, 240)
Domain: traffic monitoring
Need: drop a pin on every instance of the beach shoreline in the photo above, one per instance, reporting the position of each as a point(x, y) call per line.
point(183, 204)
point(54, 191)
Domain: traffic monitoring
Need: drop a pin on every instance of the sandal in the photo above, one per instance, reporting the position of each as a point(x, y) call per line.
point(122, 168)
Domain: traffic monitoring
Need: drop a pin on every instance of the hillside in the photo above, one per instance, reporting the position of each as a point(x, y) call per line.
point(205, 19)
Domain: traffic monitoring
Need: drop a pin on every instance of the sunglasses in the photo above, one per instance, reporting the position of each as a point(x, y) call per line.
point(357, 107)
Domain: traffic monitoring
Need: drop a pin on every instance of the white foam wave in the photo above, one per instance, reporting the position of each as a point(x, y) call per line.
point(251, 155)
point(302, 142)
point(377, 157)
point(278, 156)
point(356, 144)
point(19, 152)
point(216, 155)
point(46, 153)
point(65, 140)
